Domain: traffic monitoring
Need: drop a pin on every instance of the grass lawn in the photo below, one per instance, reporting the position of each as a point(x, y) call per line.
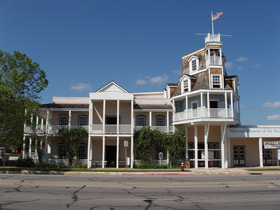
point(18, 169)
point(264, 169)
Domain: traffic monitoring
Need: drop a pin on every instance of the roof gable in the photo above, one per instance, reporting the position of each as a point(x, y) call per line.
point(112, 87)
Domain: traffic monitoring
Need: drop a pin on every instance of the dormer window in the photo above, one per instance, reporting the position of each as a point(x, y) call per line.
point(216, 81)
point(194, 63)
point(185, 85)
point(194, 66)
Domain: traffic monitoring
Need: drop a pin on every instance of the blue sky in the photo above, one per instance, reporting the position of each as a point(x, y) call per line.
point(83, 45)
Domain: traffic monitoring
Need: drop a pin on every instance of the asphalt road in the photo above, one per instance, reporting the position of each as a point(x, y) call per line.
point(139, 192)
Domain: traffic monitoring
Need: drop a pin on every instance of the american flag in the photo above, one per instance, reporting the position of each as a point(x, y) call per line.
point(217, 15)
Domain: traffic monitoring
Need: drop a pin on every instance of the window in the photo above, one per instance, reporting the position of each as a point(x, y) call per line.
point(61, 151)
point(185, 85)
point(194, 66)
point(82, 120)
point(141, 120)
point(82, 151)
point(160, 120)
point(216, 80)
point(193, 63)
point(63, 119)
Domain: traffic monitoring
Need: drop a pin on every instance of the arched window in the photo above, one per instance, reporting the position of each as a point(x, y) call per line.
point(141, 120)
point(160, 120)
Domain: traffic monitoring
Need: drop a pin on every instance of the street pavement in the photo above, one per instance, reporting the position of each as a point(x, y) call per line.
point(19, 191)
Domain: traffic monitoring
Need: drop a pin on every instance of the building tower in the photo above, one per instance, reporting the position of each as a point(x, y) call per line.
point(206, 102)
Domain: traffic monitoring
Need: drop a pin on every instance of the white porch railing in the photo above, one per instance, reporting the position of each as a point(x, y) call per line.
point(38, 129)
point(161, 128)
point(213, 61)
point(110, 129)
point(220, 113)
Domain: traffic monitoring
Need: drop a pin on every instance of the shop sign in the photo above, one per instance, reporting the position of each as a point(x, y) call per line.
point(253, 132)
point(271, 144)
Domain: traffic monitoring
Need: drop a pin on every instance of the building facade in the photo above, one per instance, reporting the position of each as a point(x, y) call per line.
point(204, 103)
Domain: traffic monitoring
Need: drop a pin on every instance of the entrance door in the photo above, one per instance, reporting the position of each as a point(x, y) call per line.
point(239, 155)
point(111, 152)
point(214, 108)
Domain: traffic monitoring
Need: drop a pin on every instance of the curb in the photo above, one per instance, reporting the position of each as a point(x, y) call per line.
point(158, 173)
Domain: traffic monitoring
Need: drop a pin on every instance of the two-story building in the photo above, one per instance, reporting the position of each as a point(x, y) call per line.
point(204, 103)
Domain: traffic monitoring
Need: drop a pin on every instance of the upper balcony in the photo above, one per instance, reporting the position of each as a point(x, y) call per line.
point(204, 114)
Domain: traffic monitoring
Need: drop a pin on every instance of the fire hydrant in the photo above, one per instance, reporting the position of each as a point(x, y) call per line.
point(182, 166)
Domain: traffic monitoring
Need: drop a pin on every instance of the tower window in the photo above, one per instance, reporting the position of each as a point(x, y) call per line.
point(194, 66)
point(216, 80)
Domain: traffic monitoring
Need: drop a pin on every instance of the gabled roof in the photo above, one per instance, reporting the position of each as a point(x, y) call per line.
point(112, 87)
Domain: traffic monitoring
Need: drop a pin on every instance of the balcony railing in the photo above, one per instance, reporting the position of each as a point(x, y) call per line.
point(213, 61)
point(160, 128)
point(110, 129)
point(38, 129)
point(215, 113)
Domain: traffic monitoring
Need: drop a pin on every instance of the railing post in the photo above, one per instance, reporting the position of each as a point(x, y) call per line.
point(118, 117)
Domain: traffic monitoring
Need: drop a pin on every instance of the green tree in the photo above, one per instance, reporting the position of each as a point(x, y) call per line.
point(174, 143)
point(146, 138)
point(21, 81)
point(72, 139)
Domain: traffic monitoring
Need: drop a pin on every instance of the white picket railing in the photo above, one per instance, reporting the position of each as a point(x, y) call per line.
point(110, 129)
point(205, 113)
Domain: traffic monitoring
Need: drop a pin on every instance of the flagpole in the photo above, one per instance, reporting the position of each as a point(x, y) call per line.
point(212, 22)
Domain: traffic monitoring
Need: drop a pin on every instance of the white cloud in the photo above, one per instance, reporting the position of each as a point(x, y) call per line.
point(240, 67)
point(273, 118)
point(229, 65)
point(272, 105)
point(177, 72)
point(241, 59)
point(257, 65)
point(80, 87)
point(141, 82)
point(158, 80)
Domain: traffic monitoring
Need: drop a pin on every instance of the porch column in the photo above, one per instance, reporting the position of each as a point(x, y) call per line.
point(132, 117)
point(226, 105)
point(23, 147)
point(187, 106)
point(223, 133)
point(201, 104)
point(167, 121)
point(150, 119)
point(30, 139)
point(195, 147)
point(118, 117)
point(131, 152)
point(42, 125)
point(89, 152)
point(118, 151)
point(104, 115)
point(103, 151)
point(46, 138)
point(24, 129)
point(69, 120)
point(208, 104)
point(89, 137)
point(206, 133)
point(187, 143)
point(173, 116)
point(261, 151)
point(226, 152)
point(229, 152)
point(231, 102)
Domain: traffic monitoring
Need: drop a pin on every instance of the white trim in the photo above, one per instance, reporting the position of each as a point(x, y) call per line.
point(261, 152)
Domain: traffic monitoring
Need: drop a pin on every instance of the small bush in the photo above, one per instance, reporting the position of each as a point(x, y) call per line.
point(146, 165)
point(84, 165)
point(28, 162)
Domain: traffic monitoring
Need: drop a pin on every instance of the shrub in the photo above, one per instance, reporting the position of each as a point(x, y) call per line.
point(28, 162)
point(146, 165)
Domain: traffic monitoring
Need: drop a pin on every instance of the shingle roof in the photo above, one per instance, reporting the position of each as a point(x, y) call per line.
point(64, 105)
